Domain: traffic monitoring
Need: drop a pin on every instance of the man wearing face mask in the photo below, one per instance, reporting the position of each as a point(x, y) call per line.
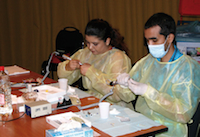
point(166, 80)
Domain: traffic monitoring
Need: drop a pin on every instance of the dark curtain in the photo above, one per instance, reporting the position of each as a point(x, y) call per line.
point(29, 27)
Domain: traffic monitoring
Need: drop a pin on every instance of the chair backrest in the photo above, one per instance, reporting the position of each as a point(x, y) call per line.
point(69, 40)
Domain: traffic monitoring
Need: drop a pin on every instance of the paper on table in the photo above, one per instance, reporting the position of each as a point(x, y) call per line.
point(15, 70)
point(113, 126)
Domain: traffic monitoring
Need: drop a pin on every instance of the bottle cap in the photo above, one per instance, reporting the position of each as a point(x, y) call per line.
point(1, 68)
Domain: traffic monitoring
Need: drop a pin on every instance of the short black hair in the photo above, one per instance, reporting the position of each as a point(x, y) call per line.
point(166, 22)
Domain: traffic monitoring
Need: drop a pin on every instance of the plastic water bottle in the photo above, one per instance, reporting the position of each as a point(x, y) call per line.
point(5, 93)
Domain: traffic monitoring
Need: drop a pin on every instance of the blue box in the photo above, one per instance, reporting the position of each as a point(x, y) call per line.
point(85, 131)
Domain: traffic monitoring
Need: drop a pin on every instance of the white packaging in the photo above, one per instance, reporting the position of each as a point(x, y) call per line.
point(57, 120)
point(49, 93)
point(85, 131)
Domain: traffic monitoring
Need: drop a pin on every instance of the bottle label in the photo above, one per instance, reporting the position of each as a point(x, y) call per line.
point(2, 99)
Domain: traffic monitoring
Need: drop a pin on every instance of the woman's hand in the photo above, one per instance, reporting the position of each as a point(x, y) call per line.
point(84, 68)
point(72, 65)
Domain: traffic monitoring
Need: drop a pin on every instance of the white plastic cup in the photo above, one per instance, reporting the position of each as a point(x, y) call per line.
point(63, 83)
point(104, 110)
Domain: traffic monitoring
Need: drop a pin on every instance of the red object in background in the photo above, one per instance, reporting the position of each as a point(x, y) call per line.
point(58, 59)
point(189, 7)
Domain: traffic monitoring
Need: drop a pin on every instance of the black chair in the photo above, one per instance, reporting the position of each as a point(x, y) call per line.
point(68, 41)
point(194, 126)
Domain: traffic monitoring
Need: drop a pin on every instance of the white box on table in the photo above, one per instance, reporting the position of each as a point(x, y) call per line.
point(38, 108)
point(85, 131)
point(57, 120)
point(50, 93)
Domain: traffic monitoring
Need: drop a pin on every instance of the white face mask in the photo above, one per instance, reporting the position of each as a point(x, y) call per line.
point(158, 51)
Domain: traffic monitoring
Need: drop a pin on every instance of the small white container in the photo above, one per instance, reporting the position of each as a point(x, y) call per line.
point(104, 110)
point(63, 83)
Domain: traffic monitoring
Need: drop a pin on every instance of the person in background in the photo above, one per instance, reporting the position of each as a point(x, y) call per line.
point(104, 58)
point(166, 81)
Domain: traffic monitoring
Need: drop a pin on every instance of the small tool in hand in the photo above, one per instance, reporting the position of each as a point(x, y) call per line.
point(67, 57)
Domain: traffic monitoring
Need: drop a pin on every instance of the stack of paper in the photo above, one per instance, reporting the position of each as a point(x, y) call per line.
point(15, 70)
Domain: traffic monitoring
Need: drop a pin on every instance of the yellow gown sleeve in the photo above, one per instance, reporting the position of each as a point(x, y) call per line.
point(72, 76)
point(172, 108)
point(177, 94)
point(104, 67)
point(117, 64)
point(124, 92)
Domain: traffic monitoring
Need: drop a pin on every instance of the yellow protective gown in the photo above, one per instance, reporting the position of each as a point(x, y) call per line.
point(106, 66)
point(173, 92)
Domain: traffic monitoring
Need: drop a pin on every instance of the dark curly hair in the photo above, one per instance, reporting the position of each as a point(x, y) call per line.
point(103, 30)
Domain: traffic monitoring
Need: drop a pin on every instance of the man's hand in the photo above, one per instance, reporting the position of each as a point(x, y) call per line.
point(122, 79)
point(136, 87)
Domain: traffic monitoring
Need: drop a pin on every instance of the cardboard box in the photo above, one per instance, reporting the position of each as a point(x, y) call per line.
point(190, 48)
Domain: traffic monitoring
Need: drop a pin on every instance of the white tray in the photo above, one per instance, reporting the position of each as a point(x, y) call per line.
point(57, 120)
point(50, 93)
